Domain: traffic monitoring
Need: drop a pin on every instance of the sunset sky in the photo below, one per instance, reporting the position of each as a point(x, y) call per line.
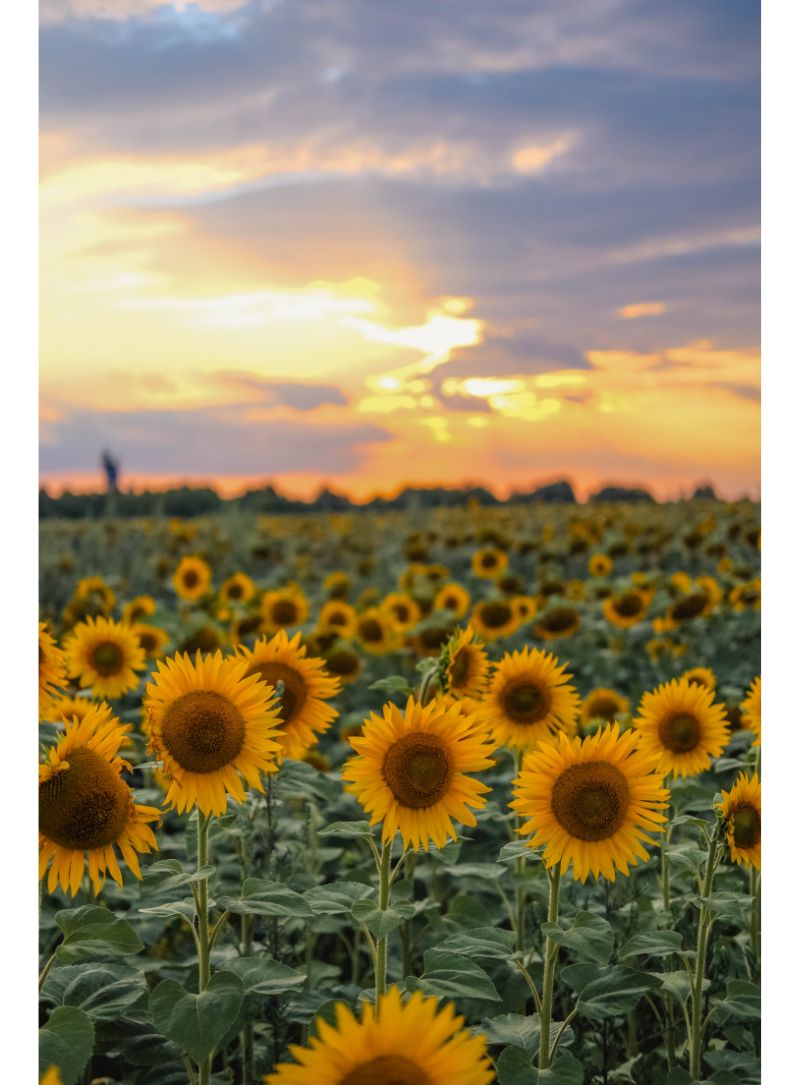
point(364, 243)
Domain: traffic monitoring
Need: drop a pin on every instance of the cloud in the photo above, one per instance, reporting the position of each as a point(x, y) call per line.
point(298, 396)
point(205, 441)
point(640, 309)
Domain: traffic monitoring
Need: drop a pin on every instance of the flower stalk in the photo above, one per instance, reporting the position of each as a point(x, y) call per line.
point(550, 955)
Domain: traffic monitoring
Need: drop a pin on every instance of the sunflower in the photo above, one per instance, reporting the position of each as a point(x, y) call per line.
point(701, 676)
point(85, 807)
point(604, 704)
point(284, 608)
point(454, 598)
point(211, 725)
point(336, 585)
point(339, 616)
point(403, 609)
point(558, 622)
point(741, 812)
point(524, 607)
point(600, 565)
point(680, 723)
point(698, 601)
point(411, 769)
point(746, 595)
point(343, 661)
point(51, 1077)
point(192, 578)
point(528, 699)
point(432, 636)
point(91, 597)
point(151, 638)
point(65, 709)
point(104, 655)
point(494, 618)
point(52, 671)
point(374, 632)
point(238, 588)
point(489, 562)
point(626, 609)
point(140, 607)
point(305, 687)
point(412, 1043)
point(751, 710)
point(466, 665)
point(245, 626)
point(591, 802)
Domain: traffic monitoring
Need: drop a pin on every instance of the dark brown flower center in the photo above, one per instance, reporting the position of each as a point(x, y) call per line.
point(746, 826)
point(628, 605)
point(603, 707)
point(488, 561)
point(495, 615)
point(590, 800)
point(190, 578)
point(689, 606)
point(525, 702)
point(679, 733)
point(417, 770)
point(235, 590)
point(387, 1070)
point(148, 642)
point(342, 662)
point(284, 612)
point(371, 630)
point(203, 731)
point(294, 692)
point(459, 670)
point(337, 617)
point(107, 658)
point(560, 621)
point(204, 639)
point(86, 806)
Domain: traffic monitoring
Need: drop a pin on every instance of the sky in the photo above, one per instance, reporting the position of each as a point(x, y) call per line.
point(363, 244)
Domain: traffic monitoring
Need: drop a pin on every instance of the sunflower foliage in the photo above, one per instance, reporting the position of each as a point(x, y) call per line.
point(361, 746)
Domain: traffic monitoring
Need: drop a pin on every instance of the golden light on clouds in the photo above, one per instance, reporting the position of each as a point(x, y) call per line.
point(640, 309)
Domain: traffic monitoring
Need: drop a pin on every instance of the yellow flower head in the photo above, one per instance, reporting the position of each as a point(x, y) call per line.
point(192, 578)
point(86, 810)
point(680, 723)
point(52, 671)
point(466, 671)
point(417, 1042)
point(741, 812)
point(751, 710)
point(284, 608)
point(211, 726)
point(411, 771)
point(529, 699)
point(454, 598)
point(591, 802)
point(489, 563)
point(104, 655)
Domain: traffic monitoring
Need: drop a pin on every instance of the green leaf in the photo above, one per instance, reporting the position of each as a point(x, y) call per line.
point(185, 909)
point(337, 898)
point(104, 991)
point(168, 875)
point(378, 922)
point(514, 1067)
point(450, 975)
point(395, 683)
point(260, 976)
point(262, 897)
point(513, 1029)
point(517, 849)
point(610, 991)
point(590, 938)
point(66, 1042)
point(486, 871)
point(743, 999)
point(91, 932)
point(652, 944)
point(196, 1023)
point(481, 942)
point(566, 1070)
point(347, 829)
point(731, 906)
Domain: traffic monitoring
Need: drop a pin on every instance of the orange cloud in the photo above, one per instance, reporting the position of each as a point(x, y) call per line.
point(641, 308)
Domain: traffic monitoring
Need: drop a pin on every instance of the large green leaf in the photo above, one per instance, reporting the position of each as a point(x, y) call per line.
point(512, 1029)
point(261, 976)
point(449, 975)
point(196, 1023)
point(66, 1041)
point(167, 875)
point(262, 897)
point(92, 932)
point(590, 938)
point(382, 922)
point(350, 830)
point(481, 942)
point(514, 1067)
point(105, 989)
point(652, 944)
point(566, 1070)
point(337, 898)
point(742, 999)
point(610, 991)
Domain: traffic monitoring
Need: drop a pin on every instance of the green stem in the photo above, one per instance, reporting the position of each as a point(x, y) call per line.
point(550, 955)
point(204, 951)
point(247, 1039)
point(703, 928)
point(46, 971)
point(383, 903)
point(519, 864)
point(755, 918)
point(426, 686)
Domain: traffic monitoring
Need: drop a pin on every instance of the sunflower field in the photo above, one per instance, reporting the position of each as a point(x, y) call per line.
point(402, 799)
